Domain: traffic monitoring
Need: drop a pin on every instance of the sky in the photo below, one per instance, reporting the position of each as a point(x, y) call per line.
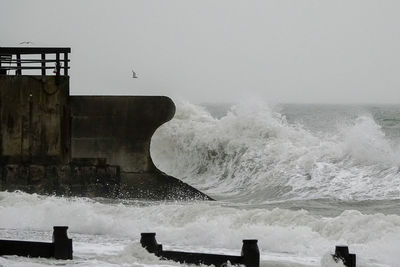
point(299, 51)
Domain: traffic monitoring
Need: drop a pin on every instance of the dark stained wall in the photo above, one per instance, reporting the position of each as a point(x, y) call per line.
point(53, 143)
point(34, 119)
point(118, 128)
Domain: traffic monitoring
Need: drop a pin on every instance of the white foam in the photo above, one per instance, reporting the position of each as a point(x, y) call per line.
point(207, 227)
point(251, 155)
point(254, 154)
point(328, 261)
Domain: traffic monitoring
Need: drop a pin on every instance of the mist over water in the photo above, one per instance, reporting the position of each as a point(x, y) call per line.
point(299, 178)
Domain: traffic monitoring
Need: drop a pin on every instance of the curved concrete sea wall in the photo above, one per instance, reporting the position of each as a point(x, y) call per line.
point(118, 128)
point(51, 142)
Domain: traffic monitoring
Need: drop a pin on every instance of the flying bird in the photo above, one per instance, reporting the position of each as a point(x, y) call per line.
point(26, 42)
point(134, 74)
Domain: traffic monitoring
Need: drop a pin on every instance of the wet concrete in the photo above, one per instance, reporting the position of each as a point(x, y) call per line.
point(53, 143)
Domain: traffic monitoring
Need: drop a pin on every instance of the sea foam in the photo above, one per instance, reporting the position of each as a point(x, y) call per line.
point(209, 226)
point(254, 154)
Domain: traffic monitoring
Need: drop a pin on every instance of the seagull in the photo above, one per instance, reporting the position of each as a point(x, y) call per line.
point(134, 74)
point(26, 42)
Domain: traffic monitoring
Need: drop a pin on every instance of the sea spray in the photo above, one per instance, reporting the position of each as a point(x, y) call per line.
point(207, 227)
point(254, 154)
point(301, 181)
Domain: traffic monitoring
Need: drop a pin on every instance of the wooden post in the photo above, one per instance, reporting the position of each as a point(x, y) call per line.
point(250, 253)
point(43, 64)
point(342, 252)
point(62, 244)
point(61, 248)
point(149, 242)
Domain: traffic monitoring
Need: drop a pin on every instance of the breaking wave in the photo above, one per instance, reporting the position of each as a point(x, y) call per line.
point(253, 153)
point(297, 236)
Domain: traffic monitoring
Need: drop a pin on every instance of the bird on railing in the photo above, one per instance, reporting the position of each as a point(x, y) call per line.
point(57, 67)
point(134, 74)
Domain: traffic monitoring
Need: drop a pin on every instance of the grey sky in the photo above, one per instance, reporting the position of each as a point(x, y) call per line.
point(220, 51)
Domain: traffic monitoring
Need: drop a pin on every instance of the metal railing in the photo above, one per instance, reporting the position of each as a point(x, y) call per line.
point(16, 59)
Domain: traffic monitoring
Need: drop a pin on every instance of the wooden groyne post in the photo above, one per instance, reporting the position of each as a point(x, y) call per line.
point(60, 248)
point(250, 254)
point(342, 253)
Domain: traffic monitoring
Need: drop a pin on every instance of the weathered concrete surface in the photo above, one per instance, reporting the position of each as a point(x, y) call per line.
point(99, 146)
point(34, 119)
point(157, 186)
point(72, 179)
point(80, 178)
point(119, 129)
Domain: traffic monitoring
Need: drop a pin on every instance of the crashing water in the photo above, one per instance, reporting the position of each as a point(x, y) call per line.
point(254, 154)
point(299, 178)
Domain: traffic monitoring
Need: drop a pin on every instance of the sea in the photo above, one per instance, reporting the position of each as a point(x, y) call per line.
point(299, 178)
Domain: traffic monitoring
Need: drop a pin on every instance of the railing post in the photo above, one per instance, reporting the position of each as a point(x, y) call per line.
point(2, 72)
point(13, 58)
point(65, 64)
point(250, 253)
point(43, 64)
point(19, 69)
point(62, 244)
point(58, 64)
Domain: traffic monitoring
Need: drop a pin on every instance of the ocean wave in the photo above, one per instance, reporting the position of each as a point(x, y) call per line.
point(208, 226)
point(253, 153)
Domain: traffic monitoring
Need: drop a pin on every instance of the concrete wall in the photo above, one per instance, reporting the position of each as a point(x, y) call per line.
point(34, 119)
point(118, 128)
point(71, 179)
point(51, 142)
